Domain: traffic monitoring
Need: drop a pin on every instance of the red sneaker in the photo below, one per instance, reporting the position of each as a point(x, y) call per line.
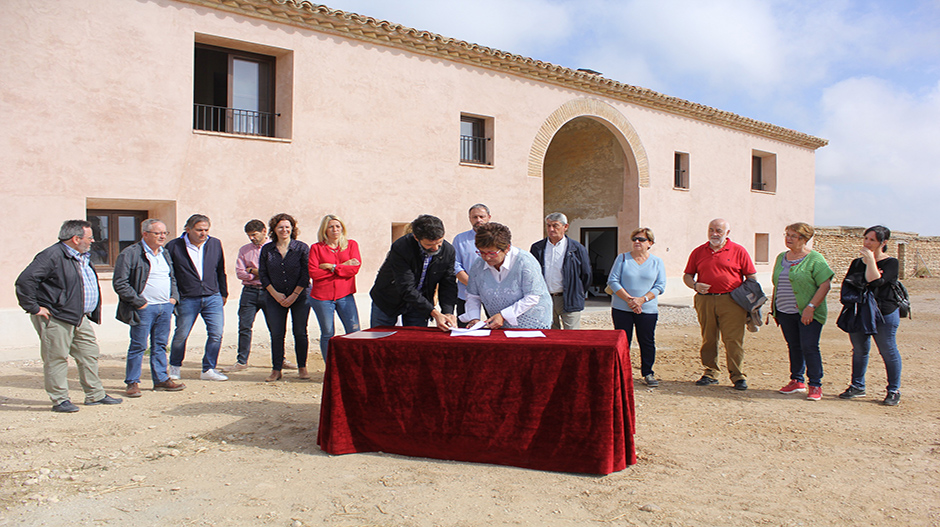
point(795, 386)
point(815, 393)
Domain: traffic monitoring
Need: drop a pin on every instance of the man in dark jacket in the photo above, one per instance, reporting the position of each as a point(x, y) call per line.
point(567, 270)
point(60, 291)
point(199, 266)
point(416, 265)
point(146, 288)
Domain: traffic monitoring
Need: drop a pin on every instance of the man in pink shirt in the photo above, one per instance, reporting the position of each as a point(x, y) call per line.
point(253, 295)
point(713, 271)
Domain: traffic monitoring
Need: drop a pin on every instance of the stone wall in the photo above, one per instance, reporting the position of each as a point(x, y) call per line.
point(918, 255)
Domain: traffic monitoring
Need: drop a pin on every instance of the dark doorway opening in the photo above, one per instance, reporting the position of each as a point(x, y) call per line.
point(601, 245)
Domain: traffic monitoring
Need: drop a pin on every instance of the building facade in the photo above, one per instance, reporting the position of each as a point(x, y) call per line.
point(120, 110)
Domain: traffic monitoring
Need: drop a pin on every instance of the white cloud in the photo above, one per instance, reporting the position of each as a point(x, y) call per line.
point(510, 26)
point(882, 156)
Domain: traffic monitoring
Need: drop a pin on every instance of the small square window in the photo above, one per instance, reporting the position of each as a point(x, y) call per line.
point(476, 145)
point(681, 179)
point(761, 248)
point(114, 231)
point(763, 171)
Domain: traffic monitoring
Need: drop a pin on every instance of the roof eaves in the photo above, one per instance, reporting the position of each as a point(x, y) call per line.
point(306, 14)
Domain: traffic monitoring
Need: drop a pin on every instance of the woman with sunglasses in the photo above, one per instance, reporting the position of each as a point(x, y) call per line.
point(507, 282)
point(636, 280)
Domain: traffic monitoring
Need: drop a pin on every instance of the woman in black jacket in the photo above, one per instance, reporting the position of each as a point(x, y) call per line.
point(282, 268)
point(880, 272)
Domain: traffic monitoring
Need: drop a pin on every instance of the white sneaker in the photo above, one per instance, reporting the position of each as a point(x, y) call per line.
point(173, 372)
point(213, 375)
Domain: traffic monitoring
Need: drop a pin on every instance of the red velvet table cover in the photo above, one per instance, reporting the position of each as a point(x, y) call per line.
point(561, 403)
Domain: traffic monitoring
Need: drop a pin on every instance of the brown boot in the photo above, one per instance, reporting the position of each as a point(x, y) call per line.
point(133, 389)
point(168, 386)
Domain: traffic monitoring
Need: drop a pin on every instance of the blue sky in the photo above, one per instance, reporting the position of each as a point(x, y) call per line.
point(863, 74)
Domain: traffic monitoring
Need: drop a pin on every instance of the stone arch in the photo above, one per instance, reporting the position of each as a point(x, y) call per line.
point(604, 113)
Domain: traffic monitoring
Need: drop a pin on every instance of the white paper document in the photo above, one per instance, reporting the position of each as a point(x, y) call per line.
point(476, 330)
point(524, 334)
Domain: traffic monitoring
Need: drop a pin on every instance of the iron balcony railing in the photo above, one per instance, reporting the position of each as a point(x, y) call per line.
point(473, 149)
point(233, 120)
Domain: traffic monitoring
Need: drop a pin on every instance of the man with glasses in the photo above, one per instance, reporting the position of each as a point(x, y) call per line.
point(417, 265)
point(567, 270)
point(60, 291)
point(146, 286)
point(713, 271)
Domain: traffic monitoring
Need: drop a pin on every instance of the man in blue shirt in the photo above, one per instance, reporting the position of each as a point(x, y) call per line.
point(466, 249)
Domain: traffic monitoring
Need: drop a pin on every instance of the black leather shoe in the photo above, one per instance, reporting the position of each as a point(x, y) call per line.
point(107, 399)
point(706, 381)
point(65, 407)
point(740, 384)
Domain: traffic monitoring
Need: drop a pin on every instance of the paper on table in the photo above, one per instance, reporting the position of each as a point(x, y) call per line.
point(367, 334)
point(475, 330)
point(525, 334)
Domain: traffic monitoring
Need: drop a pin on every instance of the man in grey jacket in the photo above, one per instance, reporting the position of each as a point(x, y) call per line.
point(146, 286)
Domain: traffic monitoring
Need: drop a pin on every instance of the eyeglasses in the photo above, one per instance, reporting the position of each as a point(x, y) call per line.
point(163, 233)
point(639, 239)
point(488, 254)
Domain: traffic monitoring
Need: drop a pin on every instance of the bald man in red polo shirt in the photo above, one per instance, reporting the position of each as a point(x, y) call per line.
point(714, 270)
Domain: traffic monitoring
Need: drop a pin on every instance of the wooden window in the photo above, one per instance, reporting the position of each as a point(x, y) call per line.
point(114, 230)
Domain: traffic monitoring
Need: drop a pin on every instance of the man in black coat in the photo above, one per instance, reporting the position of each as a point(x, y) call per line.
point(60, 291)
point(417, 264)
point(146, 286)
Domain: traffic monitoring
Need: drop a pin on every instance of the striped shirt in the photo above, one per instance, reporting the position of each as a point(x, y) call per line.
point(784, 299)
point(89, 279)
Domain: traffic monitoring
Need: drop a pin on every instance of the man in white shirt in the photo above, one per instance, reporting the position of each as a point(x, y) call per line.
point(146, 286)
point(567, 271)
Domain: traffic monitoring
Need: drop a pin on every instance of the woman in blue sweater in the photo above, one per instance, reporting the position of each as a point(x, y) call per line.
point(637, 279)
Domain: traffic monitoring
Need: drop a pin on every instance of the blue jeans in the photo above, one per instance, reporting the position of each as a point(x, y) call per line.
point(324, 309)
point(645, 324)
point(276, 317)
point(155, 326)
point(381, 318)
point(210, 307)
point(885, 340)
point(251, 301)
point(803, 345)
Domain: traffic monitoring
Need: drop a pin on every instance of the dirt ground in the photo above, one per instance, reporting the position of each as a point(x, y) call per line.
point(244, 452)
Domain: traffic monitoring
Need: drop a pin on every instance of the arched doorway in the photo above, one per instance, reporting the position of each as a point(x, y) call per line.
point(592, 167)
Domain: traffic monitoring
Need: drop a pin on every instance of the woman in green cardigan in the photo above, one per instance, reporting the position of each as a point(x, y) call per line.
point(801, 281)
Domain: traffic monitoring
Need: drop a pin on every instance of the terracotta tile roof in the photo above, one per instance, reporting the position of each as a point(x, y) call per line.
point(381, 32)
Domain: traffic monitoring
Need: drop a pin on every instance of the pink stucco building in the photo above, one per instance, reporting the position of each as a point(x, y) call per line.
point(120, 110)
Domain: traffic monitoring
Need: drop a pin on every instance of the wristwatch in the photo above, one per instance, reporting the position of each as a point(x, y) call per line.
point(812, 305)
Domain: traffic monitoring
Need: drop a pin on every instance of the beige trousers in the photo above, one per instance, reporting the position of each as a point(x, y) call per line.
point(58, 340)
point(561, 319)
point(720, 316)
